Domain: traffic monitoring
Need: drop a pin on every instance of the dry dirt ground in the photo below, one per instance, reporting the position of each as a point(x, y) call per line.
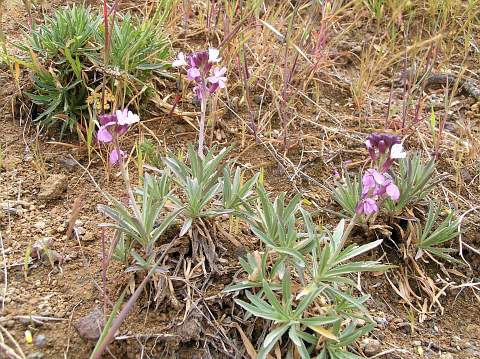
point(50, 299)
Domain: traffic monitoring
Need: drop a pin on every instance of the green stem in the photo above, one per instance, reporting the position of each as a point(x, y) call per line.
point(126, 181)
point(201, 135)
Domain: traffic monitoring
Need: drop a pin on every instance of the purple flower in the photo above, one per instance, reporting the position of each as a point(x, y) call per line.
point(384, 149)
point(104, 135)
point(389, 188)
point(117, 124)
point(371, 179)
point(200, 60)
point(193, 74)
point(199, 69)
point(115, 156)
point(382, 140)
point(392, 191)
point(218, 77)
point(126, 117)
point(367, 206)
point(107, 119)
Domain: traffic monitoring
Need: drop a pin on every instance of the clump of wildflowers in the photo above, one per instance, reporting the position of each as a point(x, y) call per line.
point(207, 78)
point(377, 185)
point(112, 127)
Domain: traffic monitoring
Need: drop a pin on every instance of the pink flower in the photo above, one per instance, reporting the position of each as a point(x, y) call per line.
point(103, 135)
point(218, 77)
point(213, 55)
point(392, 191)
point(367, 206)
point(126, 117)
point(180, 61)
point(115, 156)
point(371, 179)
point(193, 73)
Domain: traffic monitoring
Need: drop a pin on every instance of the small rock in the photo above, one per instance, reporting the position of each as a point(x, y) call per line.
point(80, 231)
point(90, 326)
point(88, 237)
point(40, 341)
point(416, 343)
point(11, 209)
point(9, 323)
point(40, 225)
point(67, 162)
point(60, 229)
point(35, 355)
point(53, 187)
point(446, 356)
point(382, 322)
point(371, 346)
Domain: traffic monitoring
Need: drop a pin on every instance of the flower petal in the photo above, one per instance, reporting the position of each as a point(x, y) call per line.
point(393, 191)
point(213, 55)
point(397, 151)
point(103, 135)
point(180, 61)
point(115, 156)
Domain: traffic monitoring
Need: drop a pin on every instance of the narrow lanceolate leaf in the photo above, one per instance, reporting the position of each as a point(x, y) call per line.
point(258, 312)
point(186, 226)
point(324, 332)
point(270, 341)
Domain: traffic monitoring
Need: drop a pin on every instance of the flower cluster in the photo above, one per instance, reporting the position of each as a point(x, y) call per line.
point(200, 70)
point(111, 127)
point(384, 149)
point(377, 185)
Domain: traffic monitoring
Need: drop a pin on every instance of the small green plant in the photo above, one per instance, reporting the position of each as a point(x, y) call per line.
point(348, 193)
point(412, 183)
point(199, 183)
point(57, 55)
point(236, 194)
point(65, 55)
point(148, 152)
point(314, 317)
point(138, 47)
point(141, 233)
point(430, 239)
point(415, 181)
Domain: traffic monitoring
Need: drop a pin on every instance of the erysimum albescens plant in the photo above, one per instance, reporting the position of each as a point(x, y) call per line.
point(65, 55)
point(301, 281)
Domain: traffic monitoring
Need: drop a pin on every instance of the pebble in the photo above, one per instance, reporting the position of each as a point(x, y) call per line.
point(382, 322)
point(371, 346)
point(89, 327)
point(88, 237)
point(80, 231)
point(9, 323)
point(53, 187)
point(35, 355)
point(40, 341)
point(40, 225)
point(446, 356)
